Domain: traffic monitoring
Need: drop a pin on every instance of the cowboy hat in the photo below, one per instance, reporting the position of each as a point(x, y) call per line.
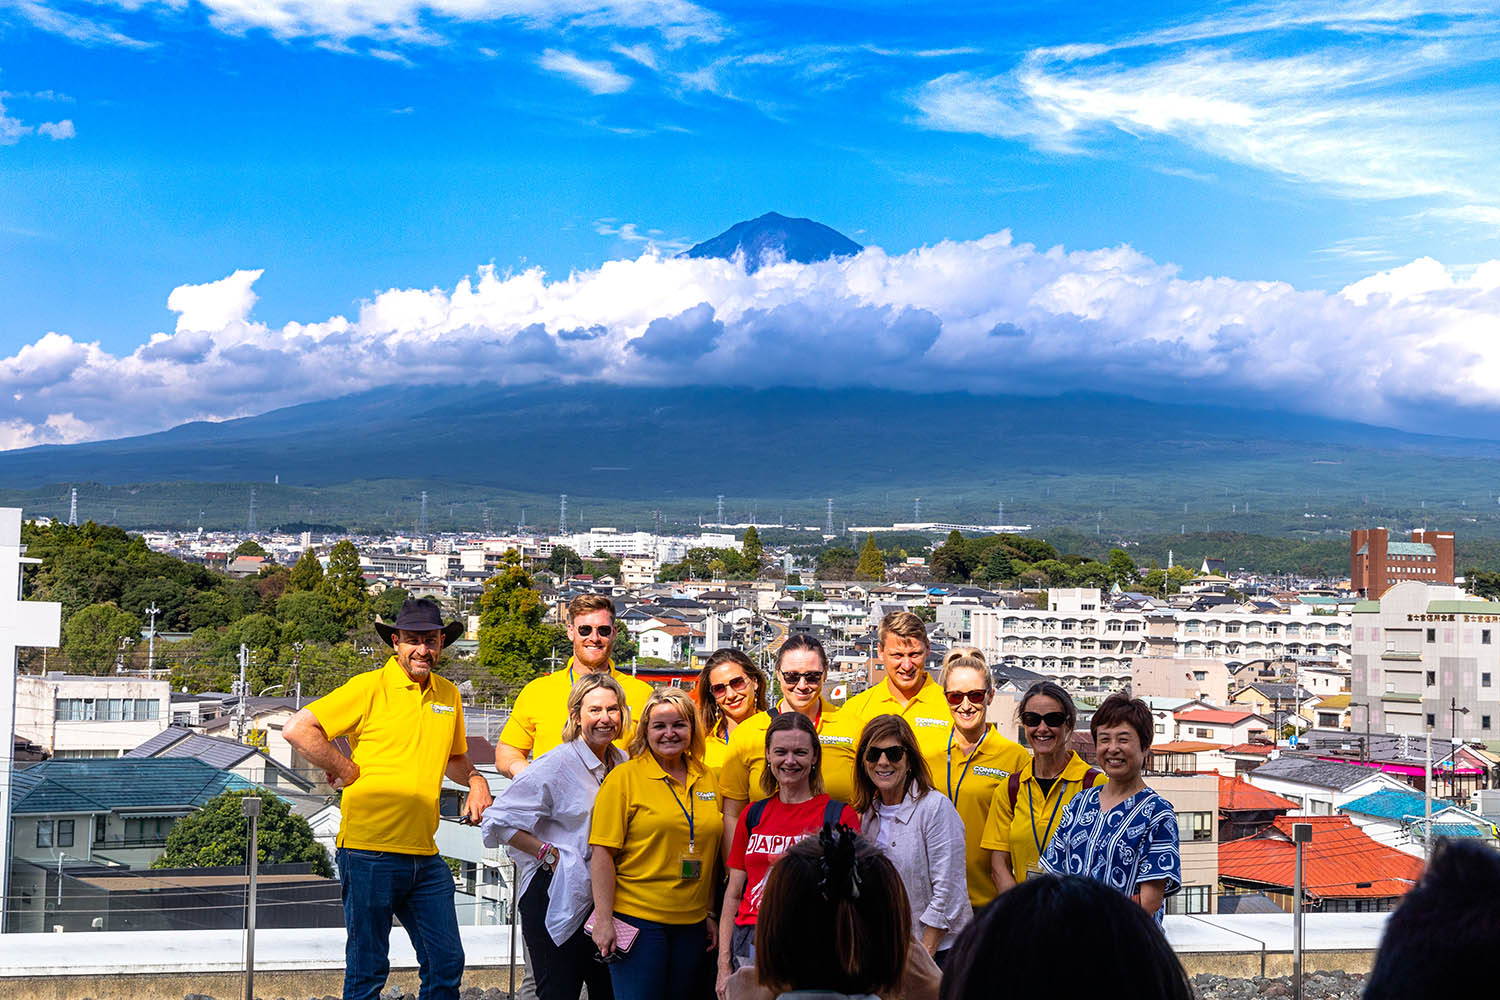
point(418, 614)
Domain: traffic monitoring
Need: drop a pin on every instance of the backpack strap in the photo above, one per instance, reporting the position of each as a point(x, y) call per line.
point(774, 711)
point(832, 811)
point(1090, 776)
point(1013, 789)
point(753, 814)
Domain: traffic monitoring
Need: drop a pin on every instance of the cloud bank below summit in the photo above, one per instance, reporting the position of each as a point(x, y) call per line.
point(1414, 347)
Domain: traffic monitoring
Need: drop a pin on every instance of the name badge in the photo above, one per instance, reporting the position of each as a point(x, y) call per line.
point(442, 709)
point(692, 869)
point(929, 723)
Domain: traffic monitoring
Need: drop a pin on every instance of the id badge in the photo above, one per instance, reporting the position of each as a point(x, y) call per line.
point(1035, 871)
point(691, 868)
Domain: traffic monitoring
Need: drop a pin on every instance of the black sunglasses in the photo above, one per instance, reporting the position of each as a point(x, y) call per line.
point(1053, 719)
point(605, 631)
point(791, 678)
point(895, 754)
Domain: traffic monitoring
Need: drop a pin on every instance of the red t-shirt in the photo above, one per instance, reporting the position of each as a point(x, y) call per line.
point(780, 827)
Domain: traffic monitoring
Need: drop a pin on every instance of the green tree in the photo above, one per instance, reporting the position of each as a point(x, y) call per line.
point(307, 615)
point(249, 547)
point(751, 547)
point(387, 604)
point(513, 640)
point(344, 586)
point(91, 640)
point(563, 562)
point(1121, 568)
point(307, 573)
point(871, 563)
point(604, 564)
point(837, 563)
point(951, 562)
point(218, 835)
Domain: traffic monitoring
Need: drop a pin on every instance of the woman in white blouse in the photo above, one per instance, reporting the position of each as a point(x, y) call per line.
point(920, 831)
point(544, 818)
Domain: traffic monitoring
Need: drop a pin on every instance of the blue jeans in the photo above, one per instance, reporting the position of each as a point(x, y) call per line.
point(417, 890)
point(666, 962)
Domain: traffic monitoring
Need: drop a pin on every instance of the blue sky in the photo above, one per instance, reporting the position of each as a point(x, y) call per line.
point(386, 151)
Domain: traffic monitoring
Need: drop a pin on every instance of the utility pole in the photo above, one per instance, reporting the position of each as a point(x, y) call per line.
point(239, 706)
point(153, 611)
point(1427, 804)
point(1301, 836)
point(250, 806)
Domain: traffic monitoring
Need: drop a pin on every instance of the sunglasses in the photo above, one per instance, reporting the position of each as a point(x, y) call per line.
point(605, 631)
point(1053, 719)
point(895, 754)
point(792, 679)
point(956, 698)
point(736, 685)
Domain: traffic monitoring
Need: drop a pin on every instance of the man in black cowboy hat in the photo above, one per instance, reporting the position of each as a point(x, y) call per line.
point(405, 726)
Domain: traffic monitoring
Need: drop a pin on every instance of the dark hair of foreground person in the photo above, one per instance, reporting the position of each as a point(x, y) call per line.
point(1090, 939)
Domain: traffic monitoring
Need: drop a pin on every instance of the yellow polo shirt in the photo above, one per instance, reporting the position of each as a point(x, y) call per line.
point(714, 749)
point(541, 710)
point(927, 713)
point(1025, 831)
point(970, 782)
point(401, 735)
point(643, 816)
point(745, 755)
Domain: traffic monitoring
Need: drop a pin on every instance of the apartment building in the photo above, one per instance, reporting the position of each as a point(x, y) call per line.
point(78, 716)
point(1083, 642)
point(1376, 563)
point(1428, 656)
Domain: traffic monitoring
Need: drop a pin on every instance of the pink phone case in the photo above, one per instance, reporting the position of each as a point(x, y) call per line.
point(624, 933)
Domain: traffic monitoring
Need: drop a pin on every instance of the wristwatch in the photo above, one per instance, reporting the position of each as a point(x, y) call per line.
point(547, 856)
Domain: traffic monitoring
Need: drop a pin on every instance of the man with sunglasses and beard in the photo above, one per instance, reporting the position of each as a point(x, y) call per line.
point(541, 709)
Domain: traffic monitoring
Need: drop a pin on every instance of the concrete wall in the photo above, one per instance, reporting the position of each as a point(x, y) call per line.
point(1195, 793)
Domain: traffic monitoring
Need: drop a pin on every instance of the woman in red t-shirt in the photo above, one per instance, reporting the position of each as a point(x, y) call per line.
point(795, 807)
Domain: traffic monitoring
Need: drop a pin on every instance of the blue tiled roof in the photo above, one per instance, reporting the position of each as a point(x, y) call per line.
point(1390, 803)
point(1458, 830)
point(63, 786)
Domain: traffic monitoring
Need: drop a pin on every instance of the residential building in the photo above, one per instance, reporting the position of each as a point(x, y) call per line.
point(1195, 799)
point(247, 762)
point(1222, 726)
point(1376, 563)
point(1343, 870)
point(1423, 654)
point(665, 641)
point(1399, 818)
point(1245, 810)
point(1318, 787)
point(73, 715)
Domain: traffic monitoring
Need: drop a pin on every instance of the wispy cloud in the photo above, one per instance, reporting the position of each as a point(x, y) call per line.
point(629, 232)
point(597, 77)
point(13, 129)
point(989, 314)
point(1359, 99)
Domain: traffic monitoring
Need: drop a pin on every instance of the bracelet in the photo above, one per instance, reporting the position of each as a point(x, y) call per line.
point(541, 855)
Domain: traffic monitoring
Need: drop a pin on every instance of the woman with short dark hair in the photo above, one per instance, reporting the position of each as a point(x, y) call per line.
point(1123, 834)
point(918, 829)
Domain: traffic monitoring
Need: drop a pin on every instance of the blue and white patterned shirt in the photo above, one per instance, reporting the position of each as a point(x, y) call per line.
point(1133, 842)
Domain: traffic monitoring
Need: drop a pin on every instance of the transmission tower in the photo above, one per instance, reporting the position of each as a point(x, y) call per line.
point(720, 521)
point(422, 520)
point(1000, 511)
point(916, 510)
point(562, 515)
point(251, 526)
point(828, 530)
point(73, 507)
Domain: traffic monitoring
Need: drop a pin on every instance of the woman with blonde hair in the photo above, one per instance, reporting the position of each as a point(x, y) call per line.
point(919, 830)
point(656, 834)
point(974, 762)
point(730, 690)
point(543, 817)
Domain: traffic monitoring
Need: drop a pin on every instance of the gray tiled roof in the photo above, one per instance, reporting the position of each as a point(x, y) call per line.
point(1320, 773)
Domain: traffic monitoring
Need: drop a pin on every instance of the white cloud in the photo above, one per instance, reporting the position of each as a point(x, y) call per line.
point(57, 130)
point(596, 77)
point(1360, 99)
point(403, 21)
point(988, 315)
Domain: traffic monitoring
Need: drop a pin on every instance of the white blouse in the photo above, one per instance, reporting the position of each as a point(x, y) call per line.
point(924, 838)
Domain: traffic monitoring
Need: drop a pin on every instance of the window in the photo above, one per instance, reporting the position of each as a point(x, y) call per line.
point(1231, 628)
point(99, 825)
point(44, 833)
point(1200, 675)
point(1432, 635)
point(64, 833)
point(1192, 899)
point(1195, 826)
point(1431, 720)
point(1431, 678)
point(1484, 680)
point(1484, 722)
point(147, 831)
point(1484, 636)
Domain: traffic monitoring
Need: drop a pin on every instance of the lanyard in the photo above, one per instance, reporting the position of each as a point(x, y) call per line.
point(687, 812)
point(1031, 807)
point(952, 791)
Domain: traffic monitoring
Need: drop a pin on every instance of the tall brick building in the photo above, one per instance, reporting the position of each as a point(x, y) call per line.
point(1376, 563)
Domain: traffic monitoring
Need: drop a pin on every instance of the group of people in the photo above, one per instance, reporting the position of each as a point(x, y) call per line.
point(677, 845)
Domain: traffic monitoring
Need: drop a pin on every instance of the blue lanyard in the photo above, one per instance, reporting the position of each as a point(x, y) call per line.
point(953, 792)
point(687, 811)
point(1031, 807)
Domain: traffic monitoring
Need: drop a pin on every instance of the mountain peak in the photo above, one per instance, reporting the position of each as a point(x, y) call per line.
point(774, 236)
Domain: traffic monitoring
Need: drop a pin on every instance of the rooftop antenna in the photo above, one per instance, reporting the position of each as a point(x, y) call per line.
point(251, 525)
point(73, 507)
point(829, 529)
point(562, 515)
